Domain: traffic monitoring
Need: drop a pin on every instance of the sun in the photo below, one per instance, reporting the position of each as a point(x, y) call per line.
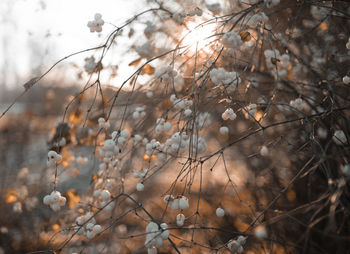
point(198, 36)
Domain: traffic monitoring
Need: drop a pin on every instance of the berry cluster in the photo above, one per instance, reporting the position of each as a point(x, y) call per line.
point(86, 225)
point(232, 40)
point(54, 200)
point(237, 244)
point(53, 158)
point(155, 236)
point(229, 114)
point(96, 24)
point(229, 79)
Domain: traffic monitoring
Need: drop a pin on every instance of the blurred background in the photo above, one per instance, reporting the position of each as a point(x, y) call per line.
point(34, 34)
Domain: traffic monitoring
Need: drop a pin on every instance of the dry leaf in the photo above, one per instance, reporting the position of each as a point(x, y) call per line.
point(245, 36)
point(11, 195)
point(73, 198)
point(135, 62)
point(132, 80)
point(148, 69)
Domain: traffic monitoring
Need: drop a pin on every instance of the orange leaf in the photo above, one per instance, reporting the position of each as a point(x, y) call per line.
point(135, 62)
point(10, 195)
point(94, 177)
point(73, 198)
point(245, 36)
point(148, 69)
point(132, 80)
point(75, 117)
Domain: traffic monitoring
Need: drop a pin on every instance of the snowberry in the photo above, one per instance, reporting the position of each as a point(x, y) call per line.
point(90, 64)
point(96, 24)
point(159, 128)
point(346, 80)
point(97, 229)
point(155, 236)
point(168, 198)
point(149, 94)
point(322, 133)
point(62, 201)
point(274, 59)
point(90, 229)
point(258, 18)
point(90, 234)
point(158, 241)
point(167, 126)
point(89, 226)
point(221, 77)
point(231, 40)
point(150, 29)
point(188, 112)
point(195, 12)
point(146, 50)
point(152, 250)
point(173, 97)
point(236, 245)
point(80, 220)
point(140, 187)
point(53, 158)
point(346, 170)
point(47, 200)
point(180, 220)
point(224, 130)
point(264, 151)
point(166, 73)
point(175, 204)
point(220, 212)
point(136, 115)
point(55, 207)
point(179, 17)
point(17, 207)
point(183, 203)
point(125, 134)
point(137, 139)
point(229, 114)
point(151, 227)
point(55, 196)
point(250, 111)
point(139, 112)
point(297, 103)
point(109, 149)
point(121, 140)
point(102, 123)
point(54, 200)
point(339, 137)
point(260, 232)
point(105, 195)
point(165, 234)
point(318, 12)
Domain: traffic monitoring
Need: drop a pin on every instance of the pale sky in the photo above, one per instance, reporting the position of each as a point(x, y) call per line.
point(26, 24)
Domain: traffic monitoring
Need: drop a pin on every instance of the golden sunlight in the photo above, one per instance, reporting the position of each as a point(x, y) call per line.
point(198, 35)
